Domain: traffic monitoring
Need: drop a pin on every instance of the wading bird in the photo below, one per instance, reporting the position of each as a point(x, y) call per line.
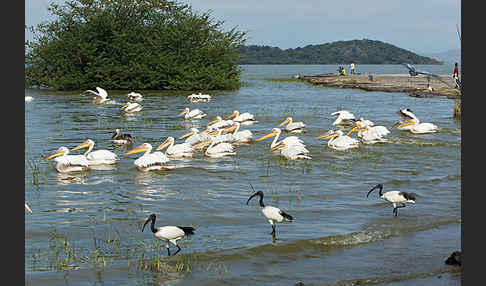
point(243, 118)
point(149, 161)
point(98, 157)
point(339, 141)
point(169, 233)
point(292, 127)
point(134, 96)
point(100, 97)
point(199, 97)
point(397, 198)
point(412, 123)
point(182, 150)
point(344, 117)
point(272, 214)
point(121, 139)
point(192, 114)
point(131, 107)
point(367, 133)
point(68, 163)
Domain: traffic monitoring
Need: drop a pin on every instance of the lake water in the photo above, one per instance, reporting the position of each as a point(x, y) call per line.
point(86, 228)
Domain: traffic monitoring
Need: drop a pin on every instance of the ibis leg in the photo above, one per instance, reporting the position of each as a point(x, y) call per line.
point(168, 251)
point(178, 249)
point(273, 230)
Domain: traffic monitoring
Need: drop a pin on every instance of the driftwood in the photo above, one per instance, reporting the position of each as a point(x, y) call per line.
point(415, 86)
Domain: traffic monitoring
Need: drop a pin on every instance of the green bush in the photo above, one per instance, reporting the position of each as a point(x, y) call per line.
point(132, 44)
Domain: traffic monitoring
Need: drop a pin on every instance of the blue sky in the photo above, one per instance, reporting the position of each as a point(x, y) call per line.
point(416, 25)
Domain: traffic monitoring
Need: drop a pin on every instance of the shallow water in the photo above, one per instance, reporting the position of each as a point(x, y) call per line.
point(86, 228)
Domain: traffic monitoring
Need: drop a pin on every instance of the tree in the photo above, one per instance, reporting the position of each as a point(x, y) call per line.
point(132, 44)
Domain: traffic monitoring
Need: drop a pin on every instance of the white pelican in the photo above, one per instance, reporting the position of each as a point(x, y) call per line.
point(244, 136)
point(118, 138)
point(292, 152)
point(199, 97)
point(68, 163)
point(194, 136)
point(292, 127)
point(244, 118)
point(215, 149)
point(182, 150)
point(192, 114)
point(344, 117)
point(28, 98)
point(369, 134)
point(272, 214)
point(131, 107)
point(338, 140)
point(100, 97)
point(149, 161)
point(218, 136)
point(27, 208)
point(134, 96)
point(98, 157)
point(289, 140)
point(220, 123)
point(169, 233)
point(412, 123)
point(397, 198)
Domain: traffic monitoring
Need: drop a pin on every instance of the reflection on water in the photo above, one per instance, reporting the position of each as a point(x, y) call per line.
point(334, 223)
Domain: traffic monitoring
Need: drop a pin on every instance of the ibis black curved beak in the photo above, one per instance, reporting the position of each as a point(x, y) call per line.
point(146, 222)
point(380, 186)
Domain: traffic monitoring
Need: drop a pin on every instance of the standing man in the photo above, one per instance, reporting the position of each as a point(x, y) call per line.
point(352, 68)
point(455, 76)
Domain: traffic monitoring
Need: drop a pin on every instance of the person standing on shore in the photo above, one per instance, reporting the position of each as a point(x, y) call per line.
point(455, 76)
point(351, 68)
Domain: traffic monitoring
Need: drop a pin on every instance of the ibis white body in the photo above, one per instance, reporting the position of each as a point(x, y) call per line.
point(272, 214)
point(397, 198)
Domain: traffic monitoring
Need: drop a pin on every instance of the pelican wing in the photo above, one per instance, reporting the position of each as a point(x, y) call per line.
point(244, 117)
point(180, 148)
point(295, 125)
point(196, 113)
point(102, 93)
point(221, 148)
point(242, 135)
point(102, 155)
point(156, 158)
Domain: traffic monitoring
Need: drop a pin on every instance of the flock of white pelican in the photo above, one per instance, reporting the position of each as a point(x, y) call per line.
point(220, 136)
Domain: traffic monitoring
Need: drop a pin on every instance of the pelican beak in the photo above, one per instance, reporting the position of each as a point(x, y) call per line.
point(268, 135)
point(354, 129)
point(80, 146)
point(135, 150)
point(284, 122)
point(124, 106)
point(395, 125)
point(231, 116)
point(229, 129)
point(205, 131)
point(278, 146)
point(214, 132)
point(187, 134)
point(327, 135)
point(202, 144)
point(183, 112)
point(212, 122)
point(54, 154)
point(163, 145)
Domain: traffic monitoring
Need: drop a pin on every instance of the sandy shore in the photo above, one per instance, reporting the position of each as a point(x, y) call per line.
point(416, 86)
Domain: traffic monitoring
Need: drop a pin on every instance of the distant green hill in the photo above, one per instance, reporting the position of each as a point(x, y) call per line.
point(342, 52)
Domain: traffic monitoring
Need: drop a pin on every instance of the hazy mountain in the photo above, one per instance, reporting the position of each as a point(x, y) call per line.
point(448, 57)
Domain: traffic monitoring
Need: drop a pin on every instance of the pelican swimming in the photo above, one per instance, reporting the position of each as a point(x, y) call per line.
point(28, 98)
point(68, 163)
point(397, 198)
point(118, 138)
point(168, 233)
point(272, 214)
point(339, 141)
point(134, 96)
point(244, 136)
point(131, 107)
point(218, 136)
point(192, 114)
point(292, 127)
point(193, 136)
point(199, 97)
point(215, 149)
point(100, 97)
point(182, 150)
point(243, 118)
point(367, 133)
point(98, 157)
point(292, 152)
point(344, 117)
point(220, 123)
point(275, 132)
point(149, 161)
point(413, 124)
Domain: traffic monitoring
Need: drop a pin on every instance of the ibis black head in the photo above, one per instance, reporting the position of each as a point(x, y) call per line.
point(150, 218)
point(379, 186)
point(259, 193)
